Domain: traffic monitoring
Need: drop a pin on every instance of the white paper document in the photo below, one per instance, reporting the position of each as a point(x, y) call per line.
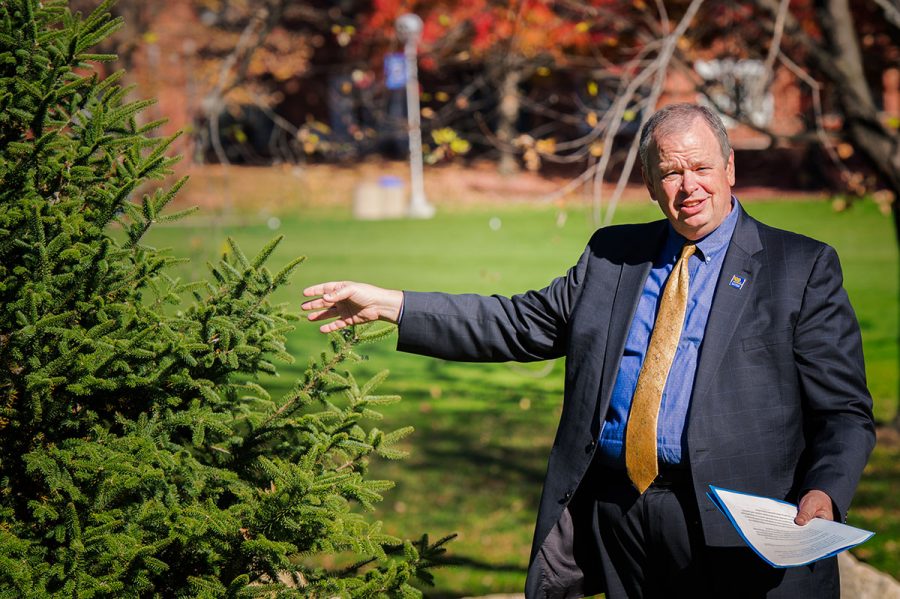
point(767, 525)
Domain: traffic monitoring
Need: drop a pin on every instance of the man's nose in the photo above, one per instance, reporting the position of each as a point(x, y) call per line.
point(689, 182)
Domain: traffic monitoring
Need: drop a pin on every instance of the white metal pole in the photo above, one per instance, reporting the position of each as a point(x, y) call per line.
point(418, 203)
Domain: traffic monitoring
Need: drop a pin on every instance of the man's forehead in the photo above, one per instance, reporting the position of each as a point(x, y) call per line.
point(678, 131)
point(681, 125)
point(693, 142)
point(680, 153)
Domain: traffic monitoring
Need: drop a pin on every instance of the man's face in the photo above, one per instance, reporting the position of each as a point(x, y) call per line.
point(690, 181)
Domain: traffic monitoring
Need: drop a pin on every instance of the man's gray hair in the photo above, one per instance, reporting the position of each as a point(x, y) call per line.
point(676, 118)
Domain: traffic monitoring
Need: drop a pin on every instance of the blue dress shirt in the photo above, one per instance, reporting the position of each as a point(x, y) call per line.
point(704, 268)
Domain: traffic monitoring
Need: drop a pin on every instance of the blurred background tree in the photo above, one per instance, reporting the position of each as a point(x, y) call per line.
point(533, 82)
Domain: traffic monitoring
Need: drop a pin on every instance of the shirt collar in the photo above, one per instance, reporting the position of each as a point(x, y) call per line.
point(711, 245)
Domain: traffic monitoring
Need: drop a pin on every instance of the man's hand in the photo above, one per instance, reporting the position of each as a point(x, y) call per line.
point(815, 504)
point(351, 303)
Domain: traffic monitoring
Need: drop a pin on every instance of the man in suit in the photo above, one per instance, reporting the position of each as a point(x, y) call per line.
point(726, 347)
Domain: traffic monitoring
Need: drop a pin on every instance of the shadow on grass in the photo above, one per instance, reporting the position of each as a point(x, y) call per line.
point(875, 505)
point(476, 467)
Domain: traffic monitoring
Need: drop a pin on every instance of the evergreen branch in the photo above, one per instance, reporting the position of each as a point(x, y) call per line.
point(264, 253)
point(82, 58)
point(285, 273)
point(307, 390)
point(238, 253)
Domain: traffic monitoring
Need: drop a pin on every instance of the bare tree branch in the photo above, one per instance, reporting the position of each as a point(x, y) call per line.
point(816, 95)
point(775, 47)
point(891, 11)
point(233, 71)
point(660, 69)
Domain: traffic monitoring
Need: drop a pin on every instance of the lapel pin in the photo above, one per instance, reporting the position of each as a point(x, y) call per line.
point(737, 282)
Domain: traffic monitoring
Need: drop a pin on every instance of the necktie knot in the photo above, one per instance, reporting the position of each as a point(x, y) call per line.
point(688, 250)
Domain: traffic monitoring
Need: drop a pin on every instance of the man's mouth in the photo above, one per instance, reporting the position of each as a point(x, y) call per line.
point(692, 203)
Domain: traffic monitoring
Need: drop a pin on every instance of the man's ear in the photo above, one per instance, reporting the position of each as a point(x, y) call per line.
point(648, 184)
point(729, 168)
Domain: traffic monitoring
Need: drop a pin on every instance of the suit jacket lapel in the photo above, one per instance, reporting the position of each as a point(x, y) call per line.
point(729, 302)
point(635, 267)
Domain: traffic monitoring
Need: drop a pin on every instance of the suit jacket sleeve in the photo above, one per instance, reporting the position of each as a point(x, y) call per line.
point(838, 418)
point(468, 327)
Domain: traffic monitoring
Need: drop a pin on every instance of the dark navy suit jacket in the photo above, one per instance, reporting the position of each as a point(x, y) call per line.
point(779, 403)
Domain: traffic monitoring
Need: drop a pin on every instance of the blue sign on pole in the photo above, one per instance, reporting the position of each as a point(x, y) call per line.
point(395, 70)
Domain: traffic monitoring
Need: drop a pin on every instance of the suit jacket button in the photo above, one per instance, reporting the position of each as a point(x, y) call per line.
point(567, 496)
point(590, 446)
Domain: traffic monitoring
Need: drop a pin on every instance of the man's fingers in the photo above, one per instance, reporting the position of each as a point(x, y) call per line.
point(339, 293)
point(315, 290)
point(815, 504)
point(348, 302)
point(322, 314)
point(330, 293)
point(312, 305)
point(333, 326)
point(803, 517)
point(341, 323)
point(328, 314)
point(316, 304)
point(323, 288)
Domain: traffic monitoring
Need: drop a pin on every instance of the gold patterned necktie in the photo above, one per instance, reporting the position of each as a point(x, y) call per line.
point(640, 432)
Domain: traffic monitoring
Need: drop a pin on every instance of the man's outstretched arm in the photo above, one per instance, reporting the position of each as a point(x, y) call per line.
point(351, 303)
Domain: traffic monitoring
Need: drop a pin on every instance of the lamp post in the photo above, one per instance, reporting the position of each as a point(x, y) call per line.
point(409, 30)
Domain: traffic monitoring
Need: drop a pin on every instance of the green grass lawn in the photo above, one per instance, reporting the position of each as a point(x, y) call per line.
point(483, 431)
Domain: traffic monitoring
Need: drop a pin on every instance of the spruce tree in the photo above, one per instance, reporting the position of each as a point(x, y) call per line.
point(139, 453)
